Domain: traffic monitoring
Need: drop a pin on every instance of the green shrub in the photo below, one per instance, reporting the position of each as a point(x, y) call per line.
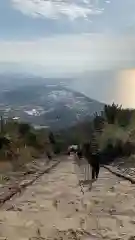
point(23, 128)
point(31, 139)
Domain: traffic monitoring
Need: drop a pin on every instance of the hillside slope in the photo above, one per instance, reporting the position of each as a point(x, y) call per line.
point(51, 105)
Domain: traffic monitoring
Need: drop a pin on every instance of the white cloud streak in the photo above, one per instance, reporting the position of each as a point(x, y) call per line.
point(55, 9)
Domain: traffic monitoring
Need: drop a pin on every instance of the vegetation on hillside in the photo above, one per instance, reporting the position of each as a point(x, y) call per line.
point(20, 142)
point(116, 137)
point(111, 133)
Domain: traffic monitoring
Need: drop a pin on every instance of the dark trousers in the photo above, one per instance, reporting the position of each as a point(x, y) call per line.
point(95, 171)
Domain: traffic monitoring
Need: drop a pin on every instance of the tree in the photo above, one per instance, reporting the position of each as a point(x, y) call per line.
point(31, 139)
point(111, 112)
point(98, 122)
point(23, 128)
point(51, 138)
point(4, 142)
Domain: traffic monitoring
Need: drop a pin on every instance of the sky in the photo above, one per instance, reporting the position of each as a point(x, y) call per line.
point(67, 36)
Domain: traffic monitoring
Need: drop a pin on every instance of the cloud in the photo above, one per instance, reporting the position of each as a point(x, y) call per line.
point(72, 52)
point(55, 9)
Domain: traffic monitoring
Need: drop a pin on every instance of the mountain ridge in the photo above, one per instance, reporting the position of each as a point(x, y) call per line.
point(54, 105)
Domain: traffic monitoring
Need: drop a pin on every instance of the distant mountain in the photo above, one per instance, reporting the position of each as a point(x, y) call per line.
point(47, 104)
point(10, 80)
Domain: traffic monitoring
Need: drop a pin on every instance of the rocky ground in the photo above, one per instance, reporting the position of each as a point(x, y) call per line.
point(54, 208)
point(124, 166)
point(13, 182)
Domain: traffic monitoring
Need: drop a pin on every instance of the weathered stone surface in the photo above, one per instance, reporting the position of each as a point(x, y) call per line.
point(54, 208)
point(21, 181)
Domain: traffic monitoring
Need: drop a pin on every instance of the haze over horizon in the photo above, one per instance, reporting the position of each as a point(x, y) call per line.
point(57, 38)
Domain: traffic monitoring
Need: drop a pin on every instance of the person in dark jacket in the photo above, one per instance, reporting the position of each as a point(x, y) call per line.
point(92, 158)
point(79, 152)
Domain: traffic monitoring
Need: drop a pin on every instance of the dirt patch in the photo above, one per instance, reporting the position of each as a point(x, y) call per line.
point(16, 183)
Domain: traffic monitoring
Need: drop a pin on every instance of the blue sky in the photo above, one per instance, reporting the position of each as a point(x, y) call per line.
point(17, 20)
point(68, 35)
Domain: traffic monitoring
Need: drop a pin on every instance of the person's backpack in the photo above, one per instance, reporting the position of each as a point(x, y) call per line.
point(79, 153)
